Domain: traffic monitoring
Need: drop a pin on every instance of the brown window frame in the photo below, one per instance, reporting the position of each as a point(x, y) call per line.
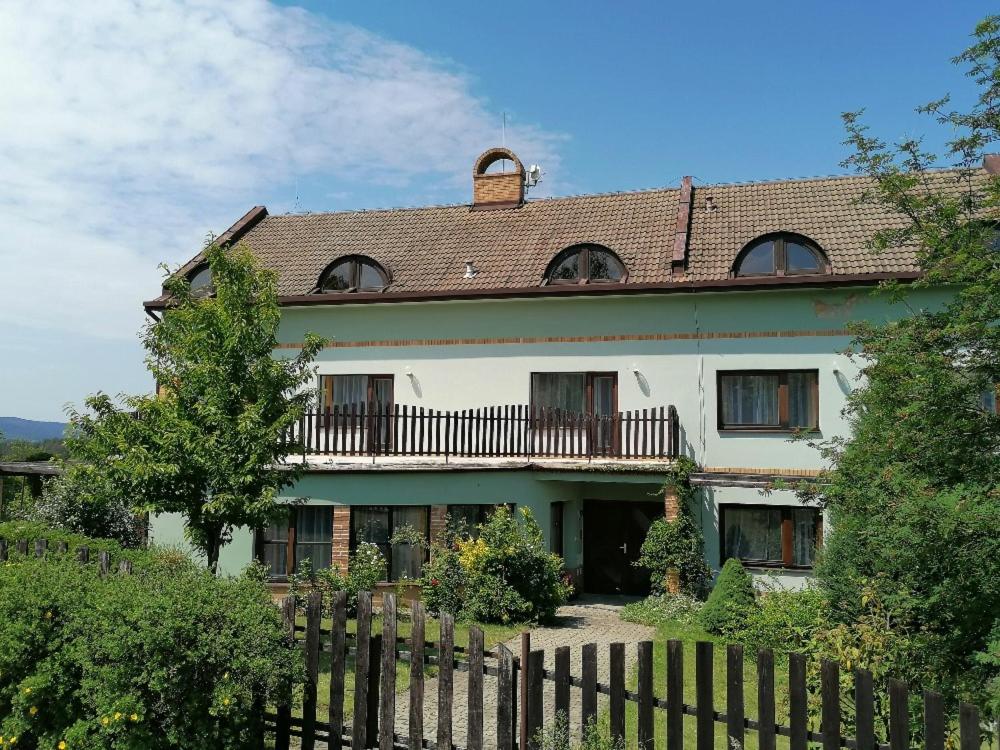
point(583, 250)
point(352, 541)
point(356, 262)
point(291, 563)
point(787, 531)
point(782, 425)
point(780, 258)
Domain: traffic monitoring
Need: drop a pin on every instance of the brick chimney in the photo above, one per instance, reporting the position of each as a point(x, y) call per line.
point(497, 189)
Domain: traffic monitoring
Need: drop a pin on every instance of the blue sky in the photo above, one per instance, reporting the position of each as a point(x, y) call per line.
point(129, 130)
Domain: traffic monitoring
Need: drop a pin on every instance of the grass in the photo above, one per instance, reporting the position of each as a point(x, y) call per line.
point(493, 634)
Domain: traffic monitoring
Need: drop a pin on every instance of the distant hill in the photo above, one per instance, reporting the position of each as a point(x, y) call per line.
point(15, 428)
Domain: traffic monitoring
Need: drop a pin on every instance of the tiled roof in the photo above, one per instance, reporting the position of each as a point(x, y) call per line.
point(425, 249)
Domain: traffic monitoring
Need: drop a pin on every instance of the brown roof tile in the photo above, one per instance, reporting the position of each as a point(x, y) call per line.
point(425, 249)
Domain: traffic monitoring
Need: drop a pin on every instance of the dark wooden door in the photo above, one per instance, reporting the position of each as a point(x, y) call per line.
point(613, 533)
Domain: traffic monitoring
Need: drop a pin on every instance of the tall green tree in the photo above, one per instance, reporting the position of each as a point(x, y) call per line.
point(913, 492)
point(210, 446)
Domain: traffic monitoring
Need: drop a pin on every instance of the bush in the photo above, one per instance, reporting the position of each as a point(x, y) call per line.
point(167, 657)
point(14, 531)
point(783, 620)
point(506, 575)
point(366, 567)
point(730, 602)
point(662, 609)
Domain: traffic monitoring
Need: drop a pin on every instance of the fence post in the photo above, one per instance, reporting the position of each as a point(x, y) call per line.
point(83, 554)
point(675, 695)
point(374, 682)
point(535, 718)
point(765, 700)
point(417, 640)
point(899, 715)
point(474, 739)
point(3, 550)
point(588, 687)
point(125, 567)
point(364, 631)
point(314, 611)
point(387, 704)
point(62, 548)
point(645, 658)
point(933, 721)
point(505, 699)
point(338, 661)
point(446, 673)
point(968, 725)
point(703, 695)
point(562, 687)
point(41, 545)
point(830, 709)
point(103, 562)
point(523, 690)
point(864, 709)
point(283, 722)
point(22, 547)
point(617, 702)
point(734, 697)
point(797, 701)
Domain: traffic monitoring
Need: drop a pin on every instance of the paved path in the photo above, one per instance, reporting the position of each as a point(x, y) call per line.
point(588, 620)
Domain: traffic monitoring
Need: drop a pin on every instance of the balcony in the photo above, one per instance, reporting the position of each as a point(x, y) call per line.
point(508, 432)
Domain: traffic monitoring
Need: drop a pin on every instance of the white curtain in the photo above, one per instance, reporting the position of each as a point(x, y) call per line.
point(750, 399)
point(350, 389)
point(314, 536)
point(560, 390)
point(753, 534)
point(802, 411)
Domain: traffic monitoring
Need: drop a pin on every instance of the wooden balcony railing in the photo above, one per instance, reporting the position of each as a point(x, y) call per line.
point(495, 431)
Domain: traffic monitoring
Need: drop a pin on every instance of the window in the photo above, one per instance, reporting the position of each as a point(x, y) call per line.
point(592, 393)
point(768, 535)
point(306, 534)
point(989, 402)
point(377, 524)
point(768, 400)
point(782, 254)
point(585, 264)
point(354, 273)
point(468, 518)
point(350, 394)
point(200, 281)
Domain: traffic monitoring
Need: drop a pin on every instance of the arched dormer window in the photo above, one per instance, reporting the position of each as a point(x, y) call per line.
point(781, 254)
point(200, 281)
point(353, 273)
point(585, 264)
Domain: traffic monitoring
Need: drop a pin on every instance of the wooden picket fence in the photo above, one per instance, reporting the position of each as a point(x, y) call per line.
point(519, 720)
point(520, 691)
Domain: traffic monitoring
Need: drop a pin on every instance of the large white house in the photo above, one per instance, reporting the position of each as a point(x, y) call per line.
point(559, 354)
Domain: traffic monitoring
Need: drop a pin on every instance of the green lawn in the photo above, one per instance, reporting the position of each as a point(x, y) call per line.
point(493, 634)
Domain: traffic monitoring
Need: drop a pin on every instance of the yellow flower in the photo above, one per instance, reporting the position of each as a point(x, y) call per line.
point(33, 710)
point(225, 701)
point(134, 717)
point(48, 615)
point(225, 676)
point(105, 720)
point(118, 715)
point(27, 691)
point(13, 740)
point(62, 744)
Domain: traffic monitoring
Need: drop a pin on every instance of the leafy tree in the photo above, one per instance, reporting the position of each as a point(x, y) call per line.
point(923, 454)
point(210, 446)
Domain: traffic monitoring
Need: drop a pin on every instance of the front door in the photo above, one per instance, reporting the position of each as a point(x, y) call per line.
point(613, 533)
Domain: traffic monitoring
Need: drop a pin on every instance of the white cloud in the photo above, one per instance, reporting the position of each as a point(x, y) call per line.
point(129, 128)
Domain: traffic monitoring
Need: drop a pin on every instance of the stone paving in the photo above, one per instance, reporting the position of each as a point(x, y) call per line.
point(587, 620)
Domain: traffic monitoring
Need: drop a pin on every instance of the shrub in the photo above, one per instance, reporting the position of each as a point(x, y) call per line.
point(366, 567)
point(505, 575)
point(783, 620)
point(14, 531)
point(730, 602)
point(661, 609)
point(167, 657)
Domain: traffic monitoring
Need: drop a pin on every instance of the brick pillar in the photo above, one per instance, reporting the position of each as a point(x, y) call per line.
point(671, 509)
point(439, 514)
point(341, 536)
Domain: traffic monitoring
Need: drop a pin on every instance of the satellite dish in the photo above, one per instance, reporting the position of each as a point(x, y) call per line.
point(534, 175)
